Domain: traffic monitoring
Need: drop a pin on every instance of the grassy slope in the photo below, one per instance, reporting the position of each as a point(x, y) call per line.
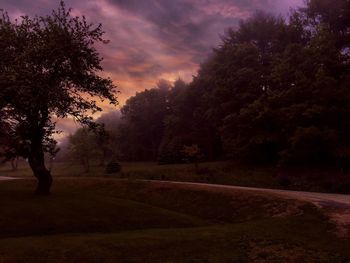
point(106, 220)
point(215, 172)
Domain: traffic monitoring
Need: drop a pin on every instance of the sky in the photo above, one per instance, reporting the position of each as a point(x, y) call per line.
point(154, 39)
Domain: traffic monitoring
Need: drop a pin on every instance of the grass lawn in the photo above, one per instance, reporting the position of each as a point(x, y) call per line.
point(109, 220)
point(320, 180)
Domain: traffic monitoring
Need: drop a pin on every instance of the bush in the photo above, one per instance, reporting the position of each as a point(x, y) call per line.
point(283, 180)
point(113, 167)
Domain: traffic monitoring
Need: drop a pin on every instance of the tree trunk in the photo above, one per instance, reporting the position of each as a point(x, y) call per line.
point(43, 175)
point(87, 165)
point(102, 161)
point(14, 163)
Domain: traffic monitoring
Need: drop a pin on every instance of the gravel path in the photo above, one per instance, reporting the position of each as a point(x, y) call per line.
point(6, 178)
point(319, 199)
point(335, 206)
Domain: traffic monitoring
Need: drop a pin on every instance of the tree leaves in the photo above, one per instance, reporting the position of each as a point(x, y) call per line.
point(50, 68)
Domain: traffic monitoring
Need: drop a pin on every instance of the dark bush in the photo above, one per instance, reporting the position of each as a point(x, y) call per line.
point(283, 180)
point(113, 167)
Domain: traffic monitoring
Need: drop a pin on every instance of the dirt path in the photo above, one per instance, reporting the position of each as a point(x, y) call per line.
point(335, 206)
point(6, 178)
point(319, 199)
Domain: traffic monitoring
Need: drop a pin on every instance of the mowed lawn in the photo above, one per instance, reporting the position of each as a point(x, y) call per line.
point(111, 220)
point(224, 172)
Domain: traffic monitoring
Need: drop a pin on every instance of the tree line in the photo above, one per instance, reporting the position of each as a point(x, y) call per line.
point(275, 91)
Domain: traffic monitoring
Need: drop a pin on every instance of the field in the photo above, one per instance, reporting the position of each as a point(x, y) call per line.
point(112, 220)
point(317, 180)
point(94, 218)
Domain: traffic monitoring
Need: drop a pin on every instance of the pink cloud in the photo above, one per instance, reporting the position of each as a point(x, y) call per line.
point(153, 39)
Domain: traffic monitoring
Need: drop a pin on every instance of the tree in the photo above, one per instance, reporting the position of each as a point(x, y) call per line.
point(192, 154)
point(141, 130)
point(186, 124)
point(335, 14)
point(49, 69)
point(301, 118)
point(237, 72)
point(236, 75)
point(83, 146)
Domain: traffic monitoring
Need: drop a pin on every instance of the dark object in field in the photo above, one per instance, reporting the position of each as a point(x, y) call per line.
point(113, 167)
point(283, 180)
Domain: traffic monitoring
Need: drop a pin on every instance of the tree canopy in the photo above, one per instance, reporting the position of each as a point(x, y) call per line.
point(49, 69)
point(275, 91)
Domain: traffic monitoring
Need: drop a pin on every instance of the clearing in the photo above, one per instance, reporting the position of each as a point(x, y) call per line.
point(109, 220)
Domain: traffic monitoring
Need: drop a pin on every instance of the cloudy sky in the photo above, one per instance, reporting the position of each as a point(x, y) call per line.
point(155, 39)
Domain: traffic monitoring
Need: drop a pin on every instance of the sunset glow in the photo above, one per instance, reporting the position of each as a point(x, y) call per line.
point(155, 39)
point(150, 40)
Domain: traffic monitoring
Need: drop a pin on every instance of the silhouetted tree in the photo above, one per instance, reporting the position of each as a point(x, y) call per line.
point(48, 69)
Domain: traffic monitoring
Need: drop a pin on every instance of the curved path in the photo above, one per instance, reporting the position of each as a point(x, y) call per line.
point(335, 206)
point(7, 178)
point(319, 199)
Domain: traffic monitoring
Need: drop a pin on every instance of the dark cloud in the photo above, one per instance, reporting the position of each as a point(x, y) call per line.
point(152, 39)
point(155, 39)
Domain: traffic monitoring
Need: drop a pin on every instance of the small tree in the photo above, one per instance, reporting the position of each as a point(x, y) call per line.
point(83, 147)
point(49, 69)
point(193, 154)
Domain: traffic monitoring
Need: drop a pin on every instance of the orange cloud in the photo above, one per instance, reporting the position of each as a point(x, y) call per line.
point(153, 39)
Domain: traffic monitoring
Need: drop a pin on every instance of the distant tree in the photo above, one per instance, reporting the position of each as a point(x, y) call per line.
point(49, 68)
point(141, 130)
point(107, 136)
point(237, 72)
point(84, 147)
point(7, 149)
point(236, 75)
point(176, 123)
point(334, 14)
point(185, 124)
point(275, 91)
point(192, 154)
point(110, 120)
point(105, 144)
point(301, 117)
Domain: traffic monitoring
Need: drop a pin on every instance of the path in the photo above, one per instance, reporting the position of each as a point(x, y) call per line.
point(335, 206)
point(319, 199)
point(6, 178)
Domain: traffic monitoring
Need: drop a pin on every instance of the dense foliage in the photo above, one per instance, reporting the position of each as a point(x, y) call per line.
point(276, 91)
point(48, 69)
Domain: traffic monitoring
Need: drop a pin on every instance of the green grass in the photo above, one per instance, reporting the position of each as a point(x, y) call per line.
point(109, 220)
point(211, 172)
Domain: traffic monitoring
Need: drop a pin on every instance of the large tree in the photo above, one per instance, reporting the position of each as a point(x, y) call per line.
point(49, 69)
point(301, 119)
